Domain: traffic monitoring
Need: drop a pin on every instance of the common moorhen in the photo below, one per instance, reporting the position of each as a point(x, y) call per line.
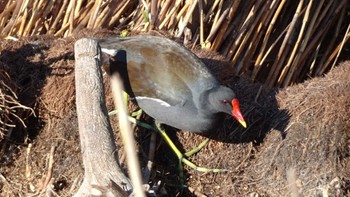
point(170, 83)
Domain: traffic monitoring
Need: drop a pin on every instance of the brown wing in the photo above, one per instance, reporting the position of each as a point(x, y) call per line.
point(160, 68)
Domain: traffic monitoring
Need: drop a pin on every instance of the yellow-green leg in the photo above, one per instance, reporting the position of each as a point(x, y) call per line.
point(196, 149)
point(181, 156)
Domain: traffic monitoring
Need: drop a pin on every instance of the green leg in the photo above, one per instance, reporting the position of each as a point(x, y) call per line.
point(136, 113)
point(125, 98)
point(132, 115)
point(196, 149)
point(181, 156)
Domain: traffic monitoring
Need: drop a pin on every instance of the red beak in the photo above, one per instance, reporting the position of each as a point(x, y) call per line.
point(236, 113)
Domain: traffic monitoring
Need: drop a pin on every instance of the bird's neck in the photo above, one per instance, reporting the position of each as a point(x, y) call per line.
point(204, 103)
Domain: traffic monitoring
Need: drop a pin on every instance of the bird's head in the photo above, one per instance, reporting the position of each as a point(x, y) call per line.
point(224, 100)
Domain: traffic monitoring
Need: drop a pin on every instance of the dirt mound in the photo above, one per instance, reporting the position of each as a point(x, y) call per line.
point(296, 141)
point(313, 159)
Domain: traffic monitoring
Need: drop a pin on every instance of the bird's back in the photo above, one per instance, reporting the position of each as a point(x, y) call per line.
point(161, 68)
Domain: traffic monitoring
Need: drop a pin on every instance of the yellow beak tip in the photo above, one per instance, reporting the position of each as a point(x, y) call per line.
point(243, 123)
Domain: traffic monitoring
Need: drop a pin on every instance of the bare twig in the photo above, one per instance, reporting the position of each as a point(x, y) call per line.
point(127, 137)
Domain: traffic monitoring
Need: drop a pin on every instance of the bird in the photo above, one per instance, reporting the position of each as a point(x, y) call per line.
point(170, 83)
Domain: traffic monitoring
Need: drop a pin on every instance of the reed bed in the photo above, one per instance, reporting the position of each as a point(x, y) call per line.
point(276, 42)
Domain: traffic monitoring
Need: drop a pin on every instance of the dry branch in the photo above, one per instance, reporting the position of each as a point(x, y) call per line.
point(100, 160)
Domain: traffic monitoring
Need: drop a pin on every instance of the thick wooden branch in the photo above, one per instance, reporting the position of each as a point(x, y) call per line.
point(103, 175)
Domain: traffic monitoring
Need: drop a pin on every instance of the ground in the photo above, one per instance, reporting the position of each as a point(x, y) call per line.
point(297, 140)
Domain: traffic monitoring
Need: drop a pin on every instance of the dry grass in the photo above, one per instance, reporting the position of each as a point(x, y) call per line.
point(277, 42)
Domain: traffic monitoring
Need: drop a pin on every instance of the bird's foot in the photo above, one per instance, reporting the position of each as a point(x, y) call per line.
point(182, 157)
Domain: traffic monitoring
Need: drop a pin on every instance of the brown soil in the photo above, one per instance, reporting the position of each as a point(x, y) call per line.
point(297, 140)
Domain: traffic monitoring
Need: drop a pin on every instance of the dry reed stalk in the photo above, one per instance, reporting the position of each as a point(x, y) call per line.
point(335, 52)
point(54, 27)
point(177, 18)
point(170, 15)
point(23, 20)
point(328, 23)
point(146, 17)
point(122, 7)
point(33, 17)
point(123, 22)
point(215, 28)
point(249, 28)
point(220, 36)
point(283, 52)
point(154, 13)
point(39, 24)
point(66, 17)
point(55, 10)
point(71, 19)
point(253, 46)
point(297, 62)
point(211, 10)
point(61, 32)
point(241, 24)
point(18, 13)
point(95, 12)
point(325, 12)
point(78, 7)
point(5, 13)
point(12, 19)
point(253, 31)
point(83, 17)
point(105, 10)
point(201, 23)
point(43, 16)
point(229, 37)
point(127, 136)
point(183, 10)
point(139, 18)
point(315, 42)
point(301, 40)
point(274, 44)
point(328, 53)
point(217, 15)
point(341, 45)
point(313, 59)
point(164, 8)
point(3, 5)
point(259, 60)
point(106, 14)
point(186, 19)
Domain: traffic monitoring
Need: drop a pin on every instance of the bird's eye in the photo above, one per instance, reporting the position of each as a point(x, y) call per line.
point(225, 102)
